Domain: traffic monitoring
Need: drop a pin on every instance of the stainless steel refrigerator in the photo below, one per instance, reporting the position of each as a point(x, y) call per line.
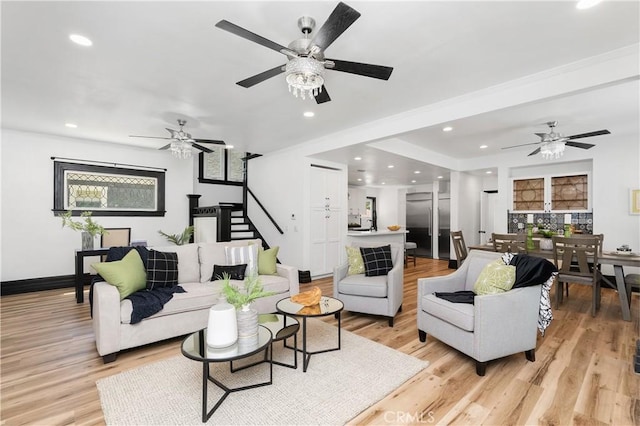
point(420, 223)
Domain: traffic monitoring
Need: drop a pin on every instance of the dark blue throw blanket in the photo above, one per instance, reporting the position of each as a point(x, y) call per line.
point(148, 302)
point(145, 302)
point(530, 270)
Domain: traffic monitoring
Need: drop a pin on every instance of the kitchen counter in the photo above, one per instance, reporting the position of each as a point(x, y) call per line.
point(384, 236)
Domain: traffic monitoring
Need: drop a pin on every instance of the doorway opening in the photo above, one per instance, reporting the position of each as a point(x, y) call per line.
point(371, 212)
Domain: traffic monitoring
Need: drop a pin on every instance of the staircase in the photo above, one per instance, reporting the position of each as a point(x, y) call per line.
point(241, 227)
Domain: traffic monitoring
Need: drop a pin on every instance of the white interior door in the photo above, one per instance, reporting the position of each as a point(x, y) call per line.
point(488, 202)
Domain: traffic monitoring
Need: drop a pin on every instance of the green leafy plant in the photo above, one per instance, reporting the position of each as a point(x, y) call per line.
point(179, 239)
point(86, 225)
point(241, 297)
point(546, 233)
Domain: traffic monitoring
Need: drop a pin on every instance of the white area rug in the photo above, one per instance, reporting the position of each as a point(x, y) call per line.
point(336, 387)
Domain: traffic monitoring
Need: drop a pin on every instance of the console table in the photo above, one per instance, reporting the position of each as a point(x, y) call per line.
point(80, 255)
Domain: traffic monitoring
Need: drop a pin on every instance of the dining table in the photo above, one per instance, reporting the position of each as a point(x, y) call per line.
point(618, 261)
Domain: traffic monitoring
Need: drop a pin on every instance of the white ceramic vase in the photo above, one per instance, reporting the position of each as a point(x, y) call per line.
point(247, 325)
point(222, 330)
point(546, 244)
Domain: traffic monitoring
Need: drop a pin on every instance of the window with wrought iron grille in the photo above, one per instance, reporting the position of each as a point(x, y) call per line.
point(108, 191)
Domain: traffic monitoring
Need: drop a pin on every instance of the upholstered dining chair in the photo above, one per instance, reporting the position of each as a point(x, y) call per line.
point(459, 247)
point(377, 295)
point(115, 237)
point(577, 261)
point(509, 243)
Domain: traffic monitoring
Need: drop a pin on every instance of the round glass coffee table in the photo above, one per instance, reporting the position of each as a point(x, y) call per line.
point(327, 306)
point(195, 347)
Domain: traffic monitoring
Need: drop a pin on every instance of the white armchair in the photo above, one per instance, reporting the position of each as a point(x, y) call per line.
point(380, 295)
point(495, 326)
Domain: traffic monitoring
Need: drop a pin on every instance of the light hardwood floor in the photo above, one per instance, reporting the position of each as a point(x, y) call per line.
point(582, 374)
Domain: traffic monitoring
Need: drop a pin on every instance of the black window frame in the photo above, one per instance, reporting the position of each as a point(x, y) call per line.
point(60, 167)
point(225, 181)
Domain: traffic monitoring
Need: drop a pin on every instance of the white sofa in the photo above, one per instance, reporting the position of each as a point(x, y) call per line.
point(185, 312)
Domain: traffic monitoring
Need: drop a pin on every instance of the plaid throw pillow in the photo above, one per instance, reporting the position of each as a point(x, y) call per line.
point(377, 260)
point(162, 269)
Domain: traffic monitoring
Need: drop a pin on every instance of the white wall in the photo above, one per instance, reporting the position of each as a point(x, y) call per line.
point(465, 207)
point(33, 243)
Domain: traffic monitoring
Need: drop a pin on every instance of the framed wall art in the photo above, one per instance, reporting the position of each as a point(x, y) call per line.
point(634, 201)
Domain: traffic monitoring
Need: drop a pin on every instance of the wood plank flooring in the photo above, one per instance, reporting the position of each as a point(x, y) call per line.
point(583, 371)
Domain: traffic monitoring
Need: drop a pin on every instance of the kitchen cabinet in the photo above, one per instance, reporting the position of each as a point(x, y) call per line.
point(326, 219)
point(357, 201)
point(552, 193)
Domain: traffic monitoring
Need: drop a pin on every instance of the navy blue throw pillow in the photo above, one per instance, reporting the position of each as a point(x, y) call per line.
point(377, 260)
point(162, 269)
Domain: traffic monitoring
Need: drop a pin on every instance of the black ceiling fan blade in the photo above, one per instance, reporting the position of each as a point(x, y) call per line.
point(165, 147)
point(367, 70)
point(534, 152)
point(579, 144)
point(522, 144)
point(340, 19)
point(323, 96)
point(259, 78)
point(149, 137)
point(588, 135)
point(200, 147)
point(214, 141)
point(246, 34)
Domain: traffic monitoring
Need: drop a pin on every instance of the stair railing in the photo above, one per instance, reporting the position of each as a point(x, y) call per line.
point(264, 210)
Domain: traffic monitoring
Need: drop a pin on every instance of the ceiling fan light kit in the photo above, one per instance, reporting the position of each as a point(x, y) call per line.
point(305, 77)
point(552, 150)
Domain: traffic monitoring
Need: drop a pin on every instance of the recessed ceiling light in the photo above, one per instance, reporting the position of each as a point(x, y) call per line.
point(447, 129)
point(81, 40)
point(382, 183)
point(440, 177)
point(71, 125)
point(488, 172)
point(390, 166)
point(586, 4)
point(357, 158)
point(309, 113)
point(228, 146)
point(417, 172)
point(483, 146)
point(359, 179)
point(413, 181)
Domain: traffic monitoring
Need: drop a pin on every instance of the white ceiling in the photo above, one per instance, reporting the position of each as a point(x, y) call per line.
point(154, 62)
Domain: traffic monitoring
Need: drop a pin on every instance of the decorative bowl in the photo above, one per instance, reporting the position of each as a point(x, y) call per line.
point(393, 227)
point(308, 298)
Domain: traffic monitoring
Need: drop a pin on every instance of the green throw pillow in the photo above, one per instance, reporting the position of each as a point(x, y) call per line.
point(267, 261)
point(128, 274)
point(496, 277)
point(354, 258)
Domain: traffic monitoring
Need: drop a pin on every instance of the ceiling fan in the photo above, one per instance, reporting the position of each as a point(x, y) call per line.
point(307, 63)
point(553, 143)
point(182, 142)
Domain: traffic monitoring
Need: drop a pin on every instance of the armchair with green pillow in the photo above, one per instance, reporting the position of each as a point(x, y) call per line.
point(191, 267)
point(372, 280)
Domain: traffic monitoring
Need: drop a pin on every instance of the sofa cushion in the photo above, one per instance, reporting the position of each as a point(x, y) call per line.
point(354, 258)
point(188, 265)
point(458, 314)
point(127, 275)
point(274, 283)
point(210, 254)
point(246, 254)
point(267, 260)
point(495, 277)
point(197, 296)
point(359, 285)
point(377, 260)
point(235, 272)
point(162, 269)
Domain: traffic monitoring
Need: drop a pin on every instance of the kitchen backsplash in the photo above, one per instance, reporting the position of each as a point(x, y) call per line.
point(554, 221)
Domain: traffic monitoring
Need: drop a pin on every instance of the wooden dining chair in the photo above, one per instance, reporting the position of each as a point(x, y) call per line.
point(577, 261)
point(509, 243)
point(459, 247)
